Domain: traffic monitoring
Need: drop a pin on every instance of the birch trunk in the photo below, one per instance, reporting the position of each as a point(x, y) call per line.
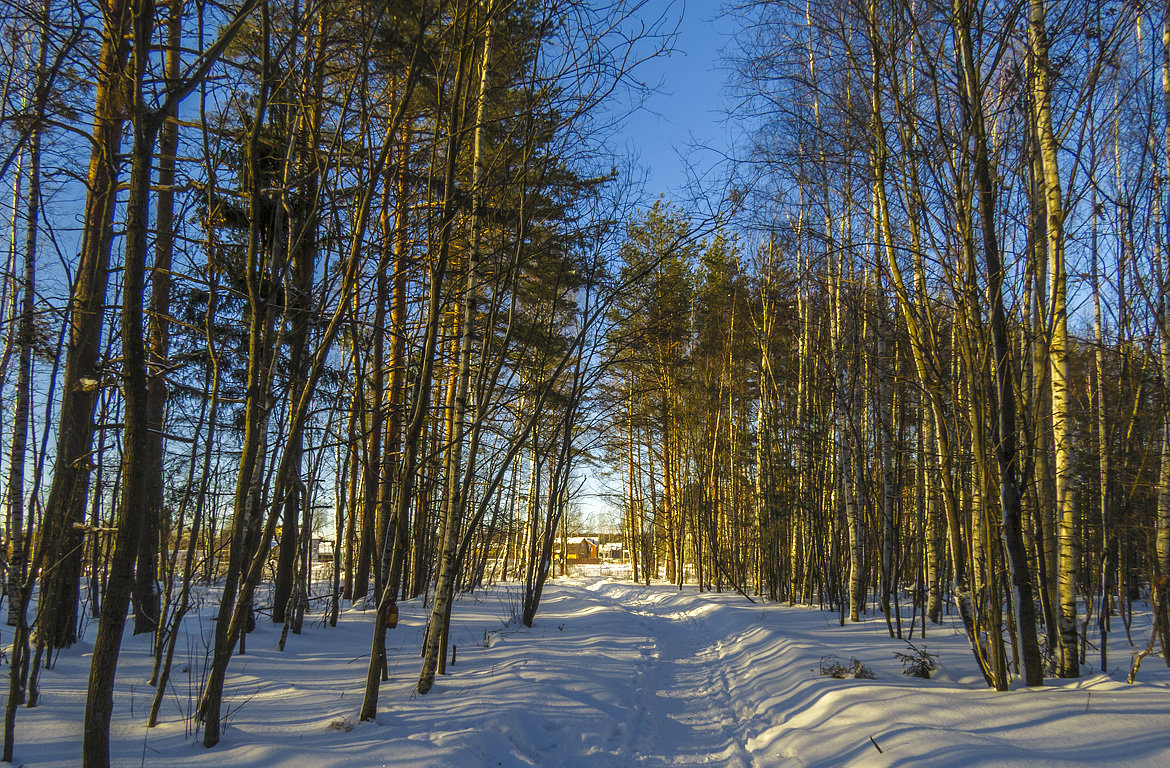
point(1068, 540)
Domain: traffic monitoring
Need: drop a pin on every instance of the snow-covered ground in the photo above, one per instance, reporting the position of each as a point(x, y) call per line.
point(612, 674)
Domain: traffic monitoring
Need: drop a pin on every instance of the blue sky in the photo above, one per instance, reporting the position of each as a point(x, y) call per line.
point(689, 106)
point(687, 110)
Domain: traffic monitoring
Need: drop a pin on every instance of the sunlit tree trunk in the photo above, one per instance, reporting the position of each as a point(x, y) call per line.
point(458, 486)
point(1067, 535)
point(929, 368)
point(456, 119)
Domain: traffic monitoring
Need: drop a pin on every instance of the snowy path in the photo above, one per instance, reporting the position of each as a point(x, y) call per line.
point(613, 675)
point(683, 714)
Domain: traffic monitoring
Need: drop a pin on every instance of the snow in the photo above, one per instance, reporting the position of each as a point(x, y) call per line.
point(612, 674)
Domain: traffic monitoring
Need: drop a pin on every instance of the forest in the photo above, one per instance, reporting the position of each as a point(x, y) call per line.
point(375, 278)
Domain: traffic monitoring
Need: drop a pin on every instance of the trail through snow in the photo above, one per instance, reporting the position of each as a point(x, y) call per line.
point(683, 713)
point(612, 675)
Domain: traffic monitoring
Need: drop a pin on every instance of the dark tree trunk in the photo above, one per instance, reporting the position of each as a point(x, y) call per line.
point(146, 594)
point(134, 498)
point(65, 507)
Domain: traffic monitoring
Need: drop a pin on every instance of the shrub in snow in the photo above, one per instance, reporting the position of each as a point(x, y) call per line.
point(831, 666)
point(919, 662)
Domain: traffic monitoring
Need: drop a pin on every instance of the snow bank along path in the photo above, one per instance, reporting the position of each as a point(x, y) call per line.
point(612, 675)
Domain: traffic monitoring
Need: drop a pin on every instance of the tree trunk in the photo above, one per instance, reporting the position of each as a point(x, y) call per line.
point(65, 507)
point(422, 396)
point(135, 441)
point(1068, 539)
point(24, 340)
point(1010, 491)
point(146, 593)
point(457, 486)
point(1162, 524)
